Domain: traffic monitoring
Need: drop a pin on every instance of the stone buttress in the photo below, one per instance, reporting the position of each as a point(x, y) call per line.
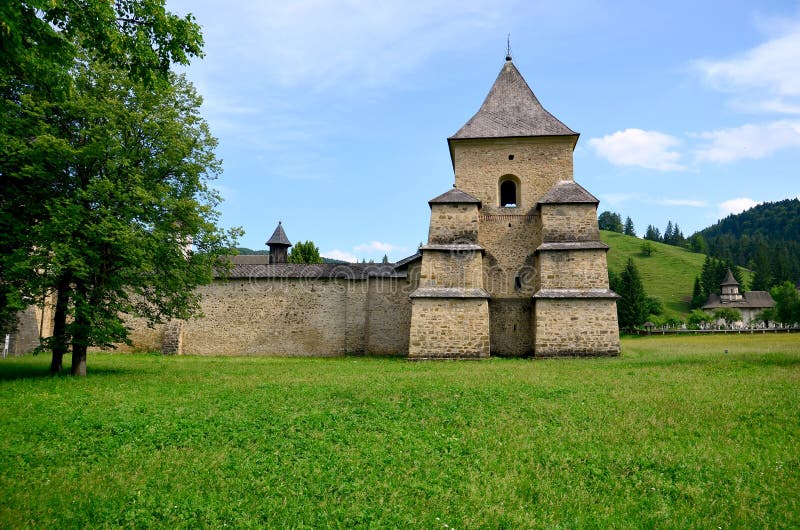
point(449, 308)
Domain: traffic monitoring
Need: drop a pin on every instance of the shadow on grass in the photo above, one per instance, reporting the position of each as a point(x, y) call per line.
point(18, 371)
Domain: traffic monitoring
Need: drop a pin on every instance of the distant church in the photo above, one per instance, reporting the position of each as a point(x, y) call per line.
point(749, 303)
point(513, 265)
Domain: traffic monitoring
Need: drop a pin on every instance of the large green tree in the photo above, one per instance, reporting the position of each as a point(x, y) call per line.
point(105, 168)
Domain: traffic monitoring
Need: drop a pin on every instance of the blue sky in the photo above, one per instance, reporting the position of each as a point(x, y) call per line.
point(333, 116)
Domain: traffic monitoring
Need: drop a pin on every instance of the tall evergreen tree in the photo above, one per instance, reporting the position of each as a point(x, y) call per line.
point(698, 299)
point(629, 229)
point(632, 305)
point(668, 233)
point(652, 233)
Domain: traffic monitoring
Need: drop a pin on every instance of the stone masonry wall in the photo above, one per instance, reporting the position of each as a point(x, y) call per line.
point(575, 327)
point(510, 326)
point(509, 241)
point(443, 328)
point(388, 316)
point(569, 222)
point(445, 268)
point(538, 163)
point(572, 269)
point(453, 223)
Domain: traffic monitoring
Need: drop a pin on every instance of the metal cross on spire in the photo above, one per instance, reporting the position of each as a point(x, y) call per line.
point(508, 47)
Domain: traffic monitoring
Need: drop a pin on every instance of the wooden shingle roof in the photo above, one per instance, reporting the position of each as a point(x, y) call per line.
point(511, 110)
point(568, 192)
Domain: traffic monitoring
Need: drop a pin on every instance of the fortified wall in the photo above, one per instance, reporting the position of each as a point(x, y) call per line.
point(513, 265)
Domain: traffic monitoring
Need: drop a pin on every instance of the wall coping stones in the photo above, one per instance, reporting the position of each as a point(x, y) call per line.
point(575, 293)
point(454, 247)
point(573, 245)
point(448, 292)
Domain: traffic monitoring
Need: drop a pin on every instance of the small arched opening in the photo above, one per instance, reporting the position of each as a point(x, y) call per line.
point(509, 191)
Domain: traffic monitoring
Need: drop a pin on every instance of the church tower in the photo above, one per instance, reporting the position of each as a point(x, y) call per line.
point(544, 267)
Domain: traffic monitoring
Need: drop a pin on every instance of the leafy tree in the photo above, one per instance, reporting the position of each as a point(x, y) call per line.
point(629, 229)
point(653, 305)
point(697, 243)
point(632, 305)
point(131, 193)
point(766, 316)
point(787, 303)
point(728, 314)
point(305, 253)
point(697, 318)
point(42, 47)
point(610, 221)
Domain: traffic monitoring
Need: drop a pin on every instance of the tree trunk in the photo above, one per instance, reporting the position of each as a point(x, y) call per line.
point(80, 334)
point(60, 326)
point(79, 359)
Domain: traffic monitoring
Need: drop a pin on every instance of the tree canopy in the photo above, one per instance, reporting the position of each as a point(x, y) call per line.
point(304, 253)
point(105, 199)
point(610, 221)
point(632, 307)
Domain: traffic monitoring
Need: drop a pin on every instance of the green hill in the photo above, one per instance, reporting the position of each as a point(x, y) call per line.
point(668, 273)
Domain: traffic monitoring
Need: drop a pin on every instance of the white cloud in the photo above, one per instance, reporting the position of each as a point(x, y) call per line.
point(338, 254)
point(636, 147)
point(619, 198)
point(735, 206)
point(377, 246)
point(683, 202)
point(748, 141)
point(768, 74)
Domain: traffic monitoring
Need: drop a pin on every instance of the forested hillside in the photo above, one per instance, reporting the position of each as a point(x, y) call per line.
point(765, 239)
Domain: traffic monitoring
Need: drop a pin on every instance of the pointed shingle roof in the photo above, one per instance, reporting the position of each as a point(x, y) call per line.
point(729, 279)
point(454, 196)
point(568, 192)
point(279, 237)
point(511, 110)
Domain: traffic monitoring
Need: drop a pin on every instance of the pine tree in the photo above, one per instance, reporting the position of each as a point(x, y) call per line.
point(698, 299)
point(668, 234)
point(629, 229)
point(632, 306)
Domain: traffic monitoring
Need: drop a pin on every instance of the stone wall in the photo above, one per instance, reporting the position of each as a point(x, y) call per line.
point(510, 326)
point(538, 163)
point(509, 241)
point(572, 269)
point(445, 268)
point(575, 327)
point(453, 223)
point(569, 222)
point(388, 316)
point(449, 328)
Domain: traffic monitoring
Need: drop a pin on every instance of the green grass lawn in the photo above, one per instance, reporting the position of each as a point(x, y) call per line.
point(673, 434)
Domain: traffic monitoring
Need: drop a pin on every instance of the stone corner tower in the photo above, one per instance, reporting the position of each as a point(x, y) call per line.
point(517, 215)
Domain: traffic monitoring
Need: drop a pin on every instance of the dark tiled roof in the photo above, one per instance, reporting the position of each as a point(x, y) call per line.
point(511, 110)
point(448, 292)
point(455, 196)
point(279, 237)
point(348, 271)
point(575, 293)
point(729, 279)
point(568, 192)
point(573, 245)
point(750, 300)
point(405, 261)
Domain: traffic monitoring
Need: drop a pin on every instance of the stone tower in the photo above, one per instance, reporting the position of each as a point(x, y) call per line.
point(278, 245)
point(517, 214)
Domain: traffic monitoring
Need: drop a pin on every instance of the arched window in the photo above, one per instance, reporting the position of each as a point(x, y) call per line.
point(509, 192)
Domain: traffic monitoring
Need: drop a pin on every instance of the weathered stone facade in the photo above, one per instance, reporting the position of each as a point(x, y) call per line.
point(513, 265)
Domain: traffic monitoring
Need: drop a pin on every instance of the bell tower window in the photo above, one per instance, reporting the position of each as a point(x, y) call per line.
point(509, 192)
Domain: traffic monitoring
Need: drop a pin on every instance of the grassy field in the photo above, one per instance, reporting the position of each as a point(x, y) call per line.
point(668, 274)
point(673, 434)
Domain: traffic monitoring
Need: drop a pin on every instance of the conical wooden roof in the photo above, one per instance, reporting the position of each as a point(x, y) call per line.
point(511, 110)
point(279, 237)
